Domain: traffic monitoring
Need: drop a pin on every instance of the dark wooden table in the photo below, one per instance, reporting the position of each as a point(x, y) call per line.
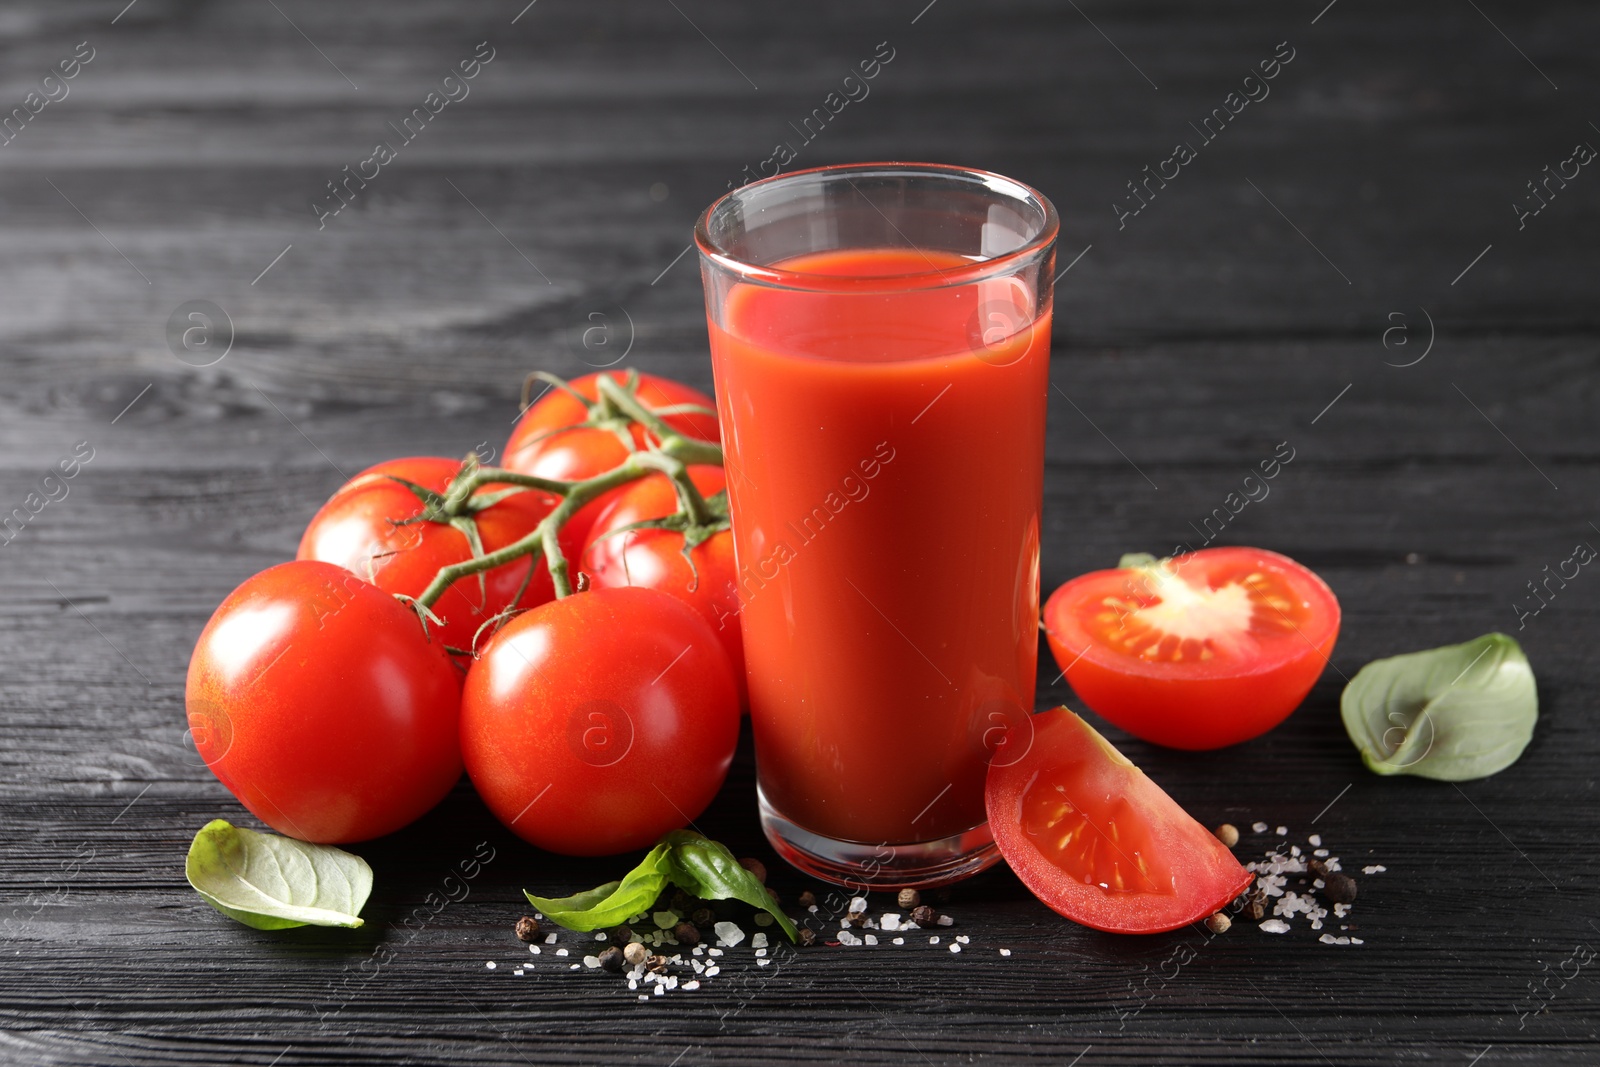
point(1246, 304)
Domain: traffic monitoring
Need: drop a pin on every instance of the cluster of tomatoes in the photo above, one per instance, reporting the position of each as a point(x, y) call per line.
point(425, 625)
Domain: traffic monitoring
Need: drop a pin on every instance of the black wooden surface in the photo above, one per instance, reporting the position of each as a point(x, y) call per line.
point(1248, 296)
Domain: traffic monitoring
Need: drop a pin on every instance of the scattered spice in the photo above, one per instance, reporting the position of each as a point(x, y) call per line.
point(777, 901)
point(527, 928)
point(611, 959)
point(703, 918)
point(687, 934)
point(1255, 905)
point(682, 902)
point(1340, 888)
point(656, 964)
point(755, 867)
point(1228, 834)
point(808, 936)
point(909, 898)
point(620, 935)
point(1219, 923)
point(808, 899)
point(636, 954)
point(923, 915)
point(858, 907)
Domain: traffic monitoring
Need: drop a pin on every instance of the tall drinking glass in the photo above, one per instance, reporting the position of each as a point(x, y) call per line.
point(880, 336)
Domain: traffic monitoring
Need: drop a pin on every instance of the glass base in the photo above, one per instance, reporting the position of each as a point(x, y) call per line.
point(861, 866)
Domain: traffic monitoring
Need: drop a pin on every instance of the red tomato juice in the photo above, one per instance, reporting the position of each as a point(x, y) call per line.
point(884, 455)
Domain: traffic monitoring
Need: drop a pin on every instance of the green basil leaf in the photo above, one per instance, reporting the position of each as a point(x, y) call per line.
point(273, 883)
point(612, 903)
point(1454, 713)
point(707, 869)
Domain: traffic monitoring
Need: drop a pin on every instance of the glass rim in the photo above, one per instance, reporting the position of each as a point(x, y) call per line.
point(934, 277)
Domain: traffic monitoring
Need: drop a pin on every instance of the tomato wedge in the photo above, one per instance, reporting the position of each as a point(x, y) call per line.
point(1100, 843)
point(1205, 650)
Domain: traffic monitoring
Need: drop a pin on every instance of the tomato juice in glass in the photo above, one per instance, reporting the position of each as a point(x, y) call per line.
point(880, 338)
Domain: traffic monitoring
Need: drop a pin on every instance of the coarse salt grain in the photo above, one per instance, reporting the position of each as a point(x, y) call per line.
point(954, 947)
point(661, 991)
point(644, 996)
point(1259, 827)
point(518, 972)
point(712, 971)
point(890, 920)
point(665, 920)
point(491, 965)
point(1357, 941)
point(1314, 840)
point(1274, 926)
point(575, 967)
point(713, 952)
point(1005, 952)
point(945, 920)
point(934, 940)
point(561, 952)
point(760, 952)
point(1329, 939)
point(1376, 868)
point(758, 941)
point(728, 933)
point(551, 939)
point(899, 940)
point(1341, 910)
point(763, 919)
point(690, 986)
point(1282, 831)
point(1320, 852)
point(847, 938)
point(870, 939)
point(812, 909)
point(534, 949)
point(591, 962)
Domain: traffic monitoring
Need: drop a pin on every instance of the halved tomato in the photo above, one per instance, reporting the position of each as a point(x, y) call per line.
point(1099, 842)
point(1205, 650)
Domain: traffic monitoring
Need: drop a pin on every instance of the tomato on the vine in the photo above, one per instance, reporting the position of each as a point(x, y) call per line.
point(374, 526)
point(322, 704)
point(1096, 840)
point(705, 579)
point(1205, 650)
point(596, 723)
point(551, 441)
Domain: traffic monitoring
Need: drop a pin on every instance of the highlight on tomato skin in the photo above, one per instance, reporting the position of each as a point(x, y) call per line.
point(1097, 841)
point(1199, 652)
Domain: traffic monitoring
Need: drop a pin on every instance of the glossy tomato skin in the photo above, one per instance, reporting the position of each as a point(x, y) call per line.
point(1192, 703)
point(594, 724)
point(654, 558)
point(1095, 839)
point(358, 529)
point(547, 441)
point(321, 704)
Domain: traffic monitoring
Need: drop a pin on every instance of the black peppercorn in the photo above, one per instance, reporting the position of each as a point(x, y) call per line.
point(1339, 888)
point(808, 899)
point(527, 928)
point(703, 918)
point(611, 959)
point(687, 934)
point(755, 867)
point(620, 935)
point(682, 902)
point(923, 915)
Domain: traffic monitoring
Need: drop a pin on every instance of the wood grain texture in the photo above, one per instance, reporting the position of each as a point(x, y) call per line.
point(1224, 318)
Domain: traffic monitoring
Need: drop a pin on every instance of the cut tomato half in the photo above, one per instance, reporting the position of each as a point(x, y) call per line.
point(1099, 842)
point(1205, 650)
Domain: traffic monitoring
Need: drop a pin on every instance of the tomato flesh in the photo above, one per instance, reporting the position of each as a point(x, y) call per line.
point(1207, 650)
point(1100, 843)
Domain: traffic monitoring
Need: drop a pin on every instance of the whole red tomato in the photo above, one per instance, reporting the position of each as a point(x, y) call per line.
point(366, 527)
point(706, 580)
point(321, 703)
point(549, 442)
point(596, 723)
